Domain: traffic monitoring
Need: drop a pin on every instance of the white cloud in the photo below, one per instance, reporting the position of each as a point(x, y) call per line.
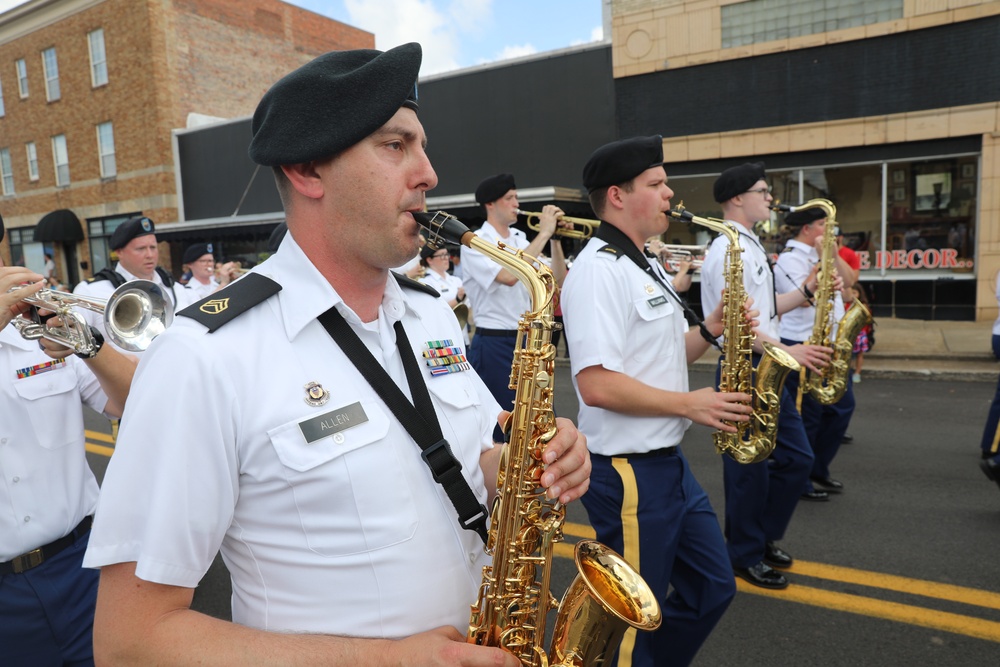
point(597, 34)
point(516, 51)
point(396, 22)
point(10, 4)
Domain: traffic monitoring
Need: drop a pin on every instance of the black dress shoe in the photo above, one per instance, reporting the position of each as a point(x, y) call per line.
point(846, 439)
point(777, 557)
point(815, 495)
point(991, 469)
point(829, 484)
point(762, 575)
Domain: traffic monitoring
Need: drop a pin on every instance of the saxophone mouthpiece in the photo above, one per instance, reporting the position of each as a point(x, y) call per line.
point(776, 206)
point(681, 213)
point(442, 228)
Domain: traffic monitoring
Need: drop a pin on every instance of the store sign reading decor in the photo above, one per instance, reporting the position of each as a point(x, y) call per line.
point(930, 258)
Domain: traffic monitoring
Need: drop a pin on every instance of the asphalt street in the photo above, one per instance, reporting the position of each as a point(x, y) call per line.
point(900, 569)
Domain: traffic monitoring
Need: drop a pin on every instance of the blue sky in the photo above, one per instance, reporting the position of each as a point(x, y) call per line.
point(463, 33)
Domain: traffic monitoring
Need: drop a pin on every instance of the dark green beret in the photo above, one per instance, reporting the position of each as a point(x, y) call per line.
point(130, 229)
point(332, 103)
point(737, 180)
point(494, 187)
point(621, 161)
point(804, 216)
point(195, 251)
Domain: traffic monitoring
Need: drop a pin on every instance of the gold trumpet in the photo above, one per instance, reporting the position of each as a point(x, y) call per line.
point(135, 314)
point(583, 228)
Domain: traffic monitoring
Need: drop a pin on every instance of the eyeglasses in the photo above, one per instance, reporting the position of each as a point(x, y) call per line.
point(761, 191)
point(439, 256)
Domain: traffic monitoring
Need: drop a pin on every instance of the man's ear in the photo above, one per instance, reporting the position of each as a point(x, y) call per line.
point(304, 178)
point(614, 197)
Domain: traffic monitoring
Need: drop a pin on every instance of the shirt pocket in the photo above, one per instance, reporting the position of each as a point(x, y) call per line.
point(656, 321)
point(351, 490)
point(52, 407)
point(462, 418)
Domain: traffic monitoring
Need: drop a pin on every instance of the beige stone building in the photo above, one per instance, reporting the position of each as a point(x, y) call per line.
point(91, 90)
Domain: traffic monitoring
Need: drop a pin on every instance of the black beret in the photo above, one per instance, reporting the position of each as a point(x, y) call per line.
point(621, 161)
point(332, 103)
point(804, 216)
point(195, 251)
point(130, 229)
point(737, 180)
point(277, 236)
point(494, 187)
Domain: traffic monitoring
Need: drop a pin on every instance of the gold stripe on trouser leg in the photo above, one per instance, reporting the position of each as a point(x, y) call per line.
point(802, 384)
point(630, 543)
point(996, 440)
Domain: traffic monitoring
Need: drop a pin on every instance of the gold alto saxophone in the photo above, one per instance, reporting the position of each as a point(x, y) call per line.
point(829, 386)
point(607, 596)
point(754, 440)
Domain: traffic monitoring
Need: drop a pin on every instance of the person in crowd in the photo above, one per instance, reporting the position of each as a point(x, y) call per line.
point(47, 598)
point(825, 424)
point(134, 241)
point(630, 351)
point(496, 297)
point(344, 545)
point(206, 276)
point(990, 444)
point(435, 263)
point(50, 266)
point(866, 337)
point(760, 497)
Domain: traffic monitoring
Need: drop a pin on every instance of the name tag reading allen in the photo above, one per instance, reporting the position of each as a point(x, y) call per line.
point(656, 301)
point(333, 422)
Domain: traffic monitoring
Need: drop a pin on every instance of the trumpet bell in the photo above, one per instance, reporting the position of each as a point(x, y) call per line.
point(137, 313)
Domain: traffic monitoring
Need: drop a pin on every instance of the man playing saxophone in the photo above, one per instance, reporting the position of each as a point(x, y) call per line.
point(308, 398)
point(825, 424)
point(760, 497)
point(630, 350)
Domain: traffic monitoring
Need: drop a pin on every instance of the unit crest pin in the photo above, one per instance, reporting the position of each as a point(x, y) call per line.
point(316, 395)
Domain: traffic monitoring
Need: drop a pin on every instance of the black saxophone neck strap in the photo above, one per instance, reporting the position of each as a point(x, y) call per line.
point(418, 418)
point(616, 238)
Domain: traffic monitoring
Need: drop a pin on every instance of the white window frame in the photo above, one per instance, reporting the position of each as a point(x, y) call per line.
point(98, 61)
point(60, 161)
point(32, 153)
point(21, 67)
point(106, 150)
point(51, 70)
point(6, 173)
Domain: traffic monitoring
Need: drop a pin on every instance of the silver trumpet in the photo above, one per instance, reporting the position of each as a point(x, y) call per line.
point(135, 314)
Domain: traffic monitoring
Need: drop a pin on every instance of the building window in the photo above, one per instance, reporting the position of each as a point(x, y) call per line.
point(767, 20)
point(51, 67)
point(98, 59)
point(23, 249)
point(61, 159)
point(6, 172)
point(32, 160)
point(22, 77)
point(2, 111)
point(106, 149)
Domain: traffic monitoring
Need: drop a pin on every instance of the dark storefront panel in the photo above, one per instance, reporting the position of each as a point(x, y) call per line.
point(924, 299)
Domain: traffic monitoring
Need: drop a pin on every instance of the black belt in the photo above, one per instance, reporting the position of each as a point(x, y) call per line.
point(482, 331)
point(38, 556)
point(656, 453)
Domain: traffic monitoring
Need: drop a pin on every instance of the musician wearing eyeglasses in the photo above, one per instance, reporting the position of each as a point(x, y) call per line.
point(760, 497)
point(630, 353)
point(328, 448)
point(496, 297)
point(49, 492)
point(435, 263)
point(134, 242)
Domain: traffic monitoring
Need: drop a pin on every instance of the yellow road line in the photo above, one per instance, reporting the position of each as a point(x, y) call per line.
point(97, 435)
point(892, 611)
point(99, 449)
point(892, 582)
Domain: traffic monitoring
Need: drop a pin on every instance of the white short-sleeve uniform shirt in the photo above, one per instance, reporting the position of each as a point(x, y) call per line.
point(446, 286)
point(494, 306)
point(48, 487)
point(790, 273)
point(757, 277)
point(618, 317)
point(347, 534)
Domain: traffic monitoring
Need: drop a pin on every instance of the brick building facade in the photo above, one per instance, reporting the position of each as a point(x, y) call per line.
point(162, 60)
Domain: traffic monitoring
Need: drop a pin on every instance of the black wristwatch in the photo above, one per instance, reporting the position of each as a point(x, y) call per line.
point(98, 344)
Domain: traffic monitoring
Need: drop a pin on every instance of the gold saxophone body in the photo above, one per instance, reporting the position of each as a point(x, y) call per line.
point(607, 596)
point(754, 440)
point(829, 386)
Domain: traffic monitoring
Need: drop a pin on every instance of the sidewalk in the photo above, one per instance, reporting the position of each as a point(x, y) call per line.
point(927, 350)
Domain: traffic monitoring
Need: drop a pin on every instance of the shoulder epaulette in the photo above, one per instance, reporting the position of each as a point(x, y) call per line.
point(231, 301)
point(611, 250)
point(410, 283)
point(788, 248)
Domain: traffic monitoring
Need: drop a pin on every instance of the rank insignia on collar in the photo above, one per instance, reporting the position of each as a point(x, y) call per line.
point(444, 357)
point(316, 395)
point(215, 306)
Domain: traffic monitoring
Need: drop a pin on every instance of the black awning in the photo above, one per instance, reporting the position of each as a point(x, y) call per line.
point(60, 226)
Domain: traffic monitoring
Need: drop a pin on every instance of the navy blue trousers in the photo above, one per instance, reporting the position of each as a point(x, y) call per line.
point(991, 432)
point(492, 357)
point(761, 497)
point(47, 612)
point(655, 514)
point(825, 424)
